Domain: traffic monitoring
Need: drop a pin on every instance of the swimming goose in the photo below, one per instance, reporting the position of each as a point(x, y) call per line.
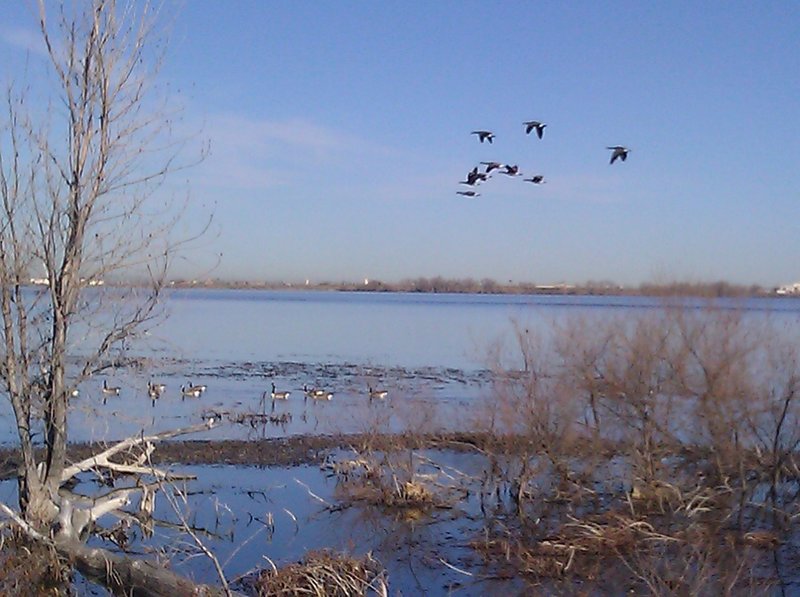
point(278, 395)
point(190, 391)
point(484, 135)
point(199, 388)
point(379, 394)
point(154, 390)
point(317, 393)
point(109, 390)
point(619, 152)
point(534, 124)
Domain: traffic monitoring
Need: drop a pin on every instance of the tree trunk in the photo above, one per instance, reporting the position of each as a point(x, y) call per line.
point(130, 577)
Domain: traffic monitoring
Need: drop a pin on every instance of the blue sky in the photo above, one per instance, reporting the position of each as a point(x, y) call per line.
point(339, 132)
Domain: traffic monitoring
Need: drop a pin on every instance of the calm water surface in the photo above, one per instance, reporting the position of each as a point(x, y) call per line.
point(390, 329)
point(432, 347)
point(429, 351)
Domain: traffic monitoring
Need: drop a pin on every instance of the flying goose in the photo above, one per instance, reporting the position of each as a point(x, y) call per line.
point(379, 394)
point(474, 176)
point(619, 152)
point(484, 135)
point(534, 124)
point(511, 170)
point(492, 166)
point(468, 193)
point(537, 179)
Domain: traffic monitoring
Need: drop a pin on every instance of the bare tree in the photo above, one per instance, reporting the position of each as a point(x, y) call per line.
point(78, 172)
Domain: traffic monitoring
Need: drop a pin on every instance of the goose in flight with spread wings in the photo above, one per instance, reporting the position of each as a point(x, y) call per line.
point(484, 135)
point(618, 152)
point(536, 179)
point(534, 124)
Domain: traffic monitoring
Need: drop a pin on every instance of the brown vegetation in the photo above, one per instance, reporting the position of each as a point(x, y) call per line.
point(656, 453)
point(323, 574)
point(30, 568)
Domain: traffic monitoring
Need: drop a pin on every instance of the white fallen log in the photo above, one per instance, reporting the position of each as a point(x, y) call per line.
point(122, 574)
point(102, 459)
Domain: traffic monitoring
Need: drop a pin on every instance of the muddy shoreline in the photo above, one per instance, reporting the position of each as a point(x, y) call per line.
point(275, 452)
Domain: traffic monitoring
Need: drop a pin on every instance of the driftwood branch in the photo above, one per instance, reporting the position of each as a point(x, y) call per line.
point(102, 459)
point(83, 509)
point(18, 520)
point(128, 576)
point(122, 574)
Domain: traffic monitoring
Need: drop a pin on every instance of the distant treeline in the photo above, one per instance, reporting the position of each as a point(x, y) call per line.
point(440, 284)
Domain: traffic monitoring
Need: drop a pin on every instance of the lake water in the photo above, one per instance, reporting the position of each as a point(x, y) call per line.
point(431, 352)
point(433, 348)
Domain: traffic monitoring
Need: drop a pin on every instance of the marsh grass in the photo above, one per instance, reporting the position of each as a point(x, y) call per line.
point(29, 568)
point(394, 480)
point(323, 574)
point(657, 452)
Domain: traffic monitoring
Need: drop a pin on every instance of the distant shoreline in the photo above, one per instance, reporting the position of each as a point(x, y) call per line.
point(457, 286)
point(444, 286)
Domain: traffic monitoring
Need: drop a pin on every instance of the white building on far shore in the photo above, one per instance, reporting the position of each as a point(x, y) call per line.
point(46, 281)
point(788, 289)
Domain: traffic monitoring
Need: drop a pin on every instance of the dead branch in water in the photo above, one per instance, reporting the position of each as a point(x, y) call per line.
point(102, 459)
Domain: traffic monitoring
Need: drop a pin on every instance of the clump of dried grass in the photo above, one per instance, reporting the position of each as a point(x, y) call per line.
point(515, 557)
point(29, 568)
point(580, 547)
point(324, 574)
point(364, 479)
point(607, 533)
point(391, 492)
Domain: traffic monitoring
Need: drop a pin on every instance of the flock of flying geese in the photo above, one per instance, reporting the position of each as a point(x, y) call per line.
point(475, 176)
point(189, 390)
